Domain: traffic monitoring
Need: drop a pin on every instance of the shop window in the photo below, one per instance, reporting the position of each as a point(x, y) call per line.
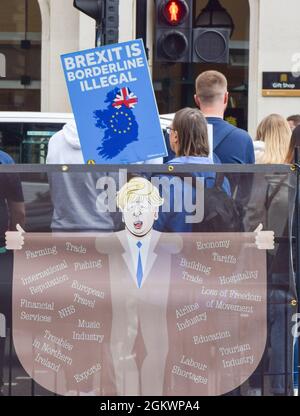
point(20, 43)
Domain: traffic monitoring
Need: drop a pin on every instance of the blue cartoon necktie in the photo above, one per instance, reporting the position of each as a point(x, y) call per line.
point(139, 270)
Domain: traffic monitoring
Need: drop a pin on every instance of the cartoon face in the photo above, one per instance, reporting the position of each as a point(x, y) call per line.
point(139, 216)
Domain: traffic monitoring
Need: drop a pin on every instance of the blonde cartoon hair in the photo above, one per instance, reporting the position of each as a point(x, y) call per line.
point(137, 189)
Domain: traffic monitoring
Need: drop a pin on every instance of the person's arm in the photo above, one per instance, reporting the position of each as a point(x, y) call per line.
point(50, 158)
point(15, 201)
point(254, 202)
point(250, 155)
point(17, 214)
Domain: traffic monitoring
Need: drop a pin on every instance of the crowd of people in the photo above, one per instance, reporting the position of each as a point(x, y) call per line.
point(275, 143)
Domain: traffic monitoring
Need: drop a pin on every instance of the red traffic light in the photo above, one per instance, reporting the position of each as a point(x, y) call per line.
point(173, 32)
point(175, 11)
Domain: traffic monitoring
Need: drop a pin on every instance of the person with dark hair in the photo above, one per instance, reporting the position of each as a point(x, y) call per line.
point(189, 137)
point(295, 142)
point(294, 121)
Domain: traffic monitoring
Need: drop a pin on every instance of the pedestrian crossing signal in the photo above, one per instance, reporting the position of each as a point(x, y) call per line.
point(174, 21)
point(175, 11)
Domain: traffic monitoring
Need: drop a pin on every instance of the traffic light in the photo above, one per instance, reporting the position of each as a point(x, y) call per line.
point(211, 45)
point(174, 25)
point(106, 14)
point(92, 8)
point(213, 28)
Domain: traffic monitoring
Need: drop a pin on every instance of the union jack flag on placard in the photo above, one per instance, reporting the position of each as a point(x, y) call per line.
point(118, 122)
point(125, 97)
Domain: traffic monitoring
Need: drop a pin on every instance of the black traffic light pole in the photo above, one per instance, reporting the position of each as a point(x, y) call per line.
point(99, 40)
point(141, 22)
point(111, 22)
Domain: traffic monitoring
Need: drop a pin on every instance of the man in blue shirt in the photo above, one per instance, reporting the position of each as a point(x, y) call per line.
point(231, 144)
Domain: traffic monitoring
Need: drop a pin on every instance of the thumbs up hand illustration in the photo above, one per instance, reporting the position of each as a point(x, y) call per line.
point(264, 240)
point(14, 240)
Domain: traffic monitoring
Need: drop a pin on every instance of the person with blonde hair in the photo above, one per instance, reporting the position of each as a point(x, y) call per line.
point(269, 202)
point(273, 138)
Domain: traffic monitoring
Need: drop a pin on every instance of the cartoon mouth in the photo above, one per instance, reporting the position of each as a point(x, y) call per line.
point(138, 225)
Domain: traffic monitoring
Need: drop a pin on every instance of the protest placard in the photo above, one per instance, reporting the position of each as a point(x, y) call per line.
point(114, 105)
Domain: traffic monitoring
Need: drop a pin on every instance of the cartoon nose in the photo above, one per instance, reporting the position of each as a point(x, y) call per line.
point(137, 211)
